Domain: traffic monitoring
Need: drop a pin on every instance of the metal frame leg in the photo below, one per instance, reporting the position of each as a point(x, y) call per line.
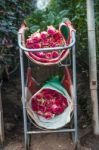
point(23, 100)
point(74, 94)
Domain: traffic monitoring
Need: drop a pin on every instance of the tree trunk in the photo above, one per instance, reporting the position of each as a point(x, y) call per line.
point(92, 64)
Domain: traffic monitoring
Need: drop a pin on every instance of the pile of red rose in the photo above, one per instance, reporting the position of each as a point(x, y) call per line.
point(49, 103)
point(45, 39)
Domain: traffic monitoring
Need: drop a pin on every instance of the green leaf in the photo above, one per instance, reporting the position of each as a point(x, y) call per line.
point(4, 23)
point(10, 13)
point(78, 5)
point(43, 25)
point(51, 18)
point(63, 13)
point(34, 28)
point(14, 1)
point(75, 18)
point(2, 4)
point(3, 29)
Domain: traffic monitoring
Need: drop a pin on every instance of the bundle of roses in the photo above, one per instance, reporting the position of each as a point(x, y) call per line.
point(45, 39)
point(49, 103)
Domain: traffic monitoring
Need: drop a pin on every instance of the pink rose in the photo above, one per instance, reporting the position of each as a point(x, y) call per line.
point(52, 44)
point(49, 103)
point(57, 102)
point(47, 96)
point(45, 42)
point(42, 108)
point(60, 42)
point(51, 30)
point(40, 54)
point(44, 35)
point(45, 91)
point(55, 54)
point(57, 35)
point(48, 109)
point(54, 93)
point(48, 115)
point(56, 109)
point(29, 41)
point(36, 37)
point(64, 103)
point(34, 105)
point(48, 55)
point(29, 45)
point(36, 45)
point(39, 96)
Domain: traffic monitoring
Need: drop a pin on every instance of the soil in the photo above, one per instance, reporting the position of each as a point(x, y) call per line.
point(13, 121)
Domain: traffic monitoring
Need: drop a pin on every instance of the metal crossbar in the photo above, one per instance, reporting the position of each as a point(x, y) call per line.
point(44, 49)
point(51, 131)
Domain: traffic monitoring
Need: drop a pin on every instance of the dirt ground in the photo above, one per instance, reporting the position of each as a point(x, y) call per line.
point(14, 136)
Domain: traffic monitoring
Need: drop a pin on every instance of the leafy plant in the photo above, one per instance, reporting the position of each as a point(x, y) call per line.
point(12, 13)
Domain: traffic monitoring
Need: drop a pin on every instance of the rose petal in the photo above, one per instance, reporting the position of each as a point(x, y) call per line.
point(40, 113)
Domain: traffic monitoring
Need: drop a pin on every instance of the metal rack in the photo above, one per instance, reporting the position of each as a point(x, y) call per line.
point(27, 132)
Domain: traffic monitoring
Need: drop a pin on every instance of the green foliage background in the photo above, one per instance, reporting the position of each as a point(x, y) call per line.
point(12, 13)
